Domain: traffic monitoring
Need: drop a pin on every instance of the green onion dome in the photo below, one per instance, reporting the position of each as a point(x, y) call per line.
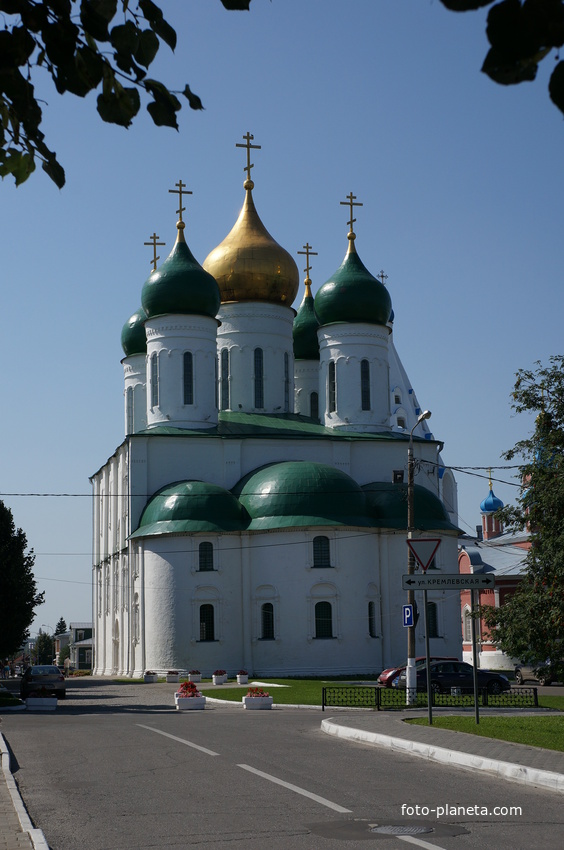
point(180, 285)
point(191, 506)
point(304, 330)
point(133, 338)
point(352, 294)
point(300, 493)
point(388, 506)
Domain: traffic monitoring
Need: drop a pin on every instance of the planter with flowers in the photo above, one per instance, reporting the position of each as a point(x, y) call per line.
point(150, 676)
point(173, 676)
point(257, 698)
point(219, 677)
point(188, 697)
point(194, 676)
point(242, 677)
point(41, 700)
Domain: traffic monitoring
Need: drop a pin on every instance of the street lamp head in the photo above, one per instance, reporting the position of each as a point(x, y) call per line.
point(425, 415)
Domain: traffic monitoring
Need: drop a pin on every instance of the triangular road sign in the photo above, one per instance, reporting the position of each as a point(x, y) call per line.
point(424, 549)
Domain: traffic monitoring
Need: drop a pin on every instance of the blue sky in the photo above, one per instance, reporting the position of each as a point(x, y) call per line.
point(459, 180)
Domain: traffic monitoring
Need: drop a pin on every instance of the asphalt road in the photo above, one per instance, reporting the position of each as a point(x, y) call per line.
point(115, 767)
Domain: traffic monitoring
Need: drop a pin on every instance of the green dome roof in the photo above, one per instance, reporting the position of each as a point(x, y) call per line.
point(133, 339)
point(299, 493)
point(388, 505)
point(191, 506)
point(352, 294)
point(304, 330)
point(180, 286)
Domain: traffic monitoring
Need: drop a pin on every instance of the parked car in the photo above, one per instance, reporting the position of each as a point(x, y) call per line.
point(455, 674)
point(44, 679)
point(388, 675)
point(543, 673)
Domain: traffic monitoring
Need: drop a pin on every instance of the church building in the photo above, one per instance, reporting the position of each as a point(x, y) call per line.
point(254, 517)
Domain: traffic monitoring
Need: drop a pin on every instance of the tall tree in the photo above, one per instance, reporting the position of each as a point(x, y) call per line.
point(18, 590)
point(44, 648)
point(531, 624)
point(84, 45)
point(521, 34)
point(61, 626)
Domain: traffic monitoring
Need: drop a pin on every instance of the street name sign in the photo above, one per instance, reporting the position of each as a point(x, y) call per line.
point(447, 581)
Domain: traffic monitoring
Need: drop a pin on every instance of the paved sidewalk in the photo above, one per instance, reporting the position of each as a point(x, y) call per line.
point(514, 762)
point(16, 829)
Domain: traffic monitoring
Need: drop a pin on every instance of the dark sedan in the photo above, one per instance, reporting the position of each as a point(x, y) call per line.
point(455, 674)
point(43, 679)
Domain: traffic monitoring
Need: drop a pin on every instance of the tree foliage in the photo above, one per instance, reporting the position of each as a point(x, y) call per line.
point(83, 45)
point(61, 626)
point(44, 648)
point(521, 34)
point(18, 590)
point(531, 624)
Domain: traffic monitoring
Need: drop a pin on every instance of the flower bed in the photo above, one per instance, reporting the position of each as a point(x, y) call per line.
point(189, 697)
point(257, 698)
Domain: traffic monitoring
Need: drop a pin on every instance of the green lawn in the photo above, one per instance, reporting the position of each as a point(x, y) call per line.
point(297, 692)
point(540, 731)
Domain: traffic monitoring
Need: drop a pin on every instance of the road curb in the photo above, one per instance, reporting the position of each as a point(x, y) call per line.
point(36, 835)
point(503, 770)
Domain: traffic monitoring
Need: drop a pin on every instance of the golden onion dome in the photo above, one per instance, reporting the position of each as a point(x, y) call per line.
point(249, 265)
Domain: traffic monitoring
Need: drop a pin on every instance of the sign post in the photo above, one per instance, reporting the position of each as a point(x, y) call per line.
point(424, 550)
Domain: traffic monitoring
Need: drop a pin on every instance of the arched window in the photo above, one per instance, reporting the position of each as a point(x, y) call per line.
point(467, 626)
point(321, 553)
point(207, 631)
point(129, 410)
point(259, 378)
point(205, 553)
point(188, 378)
point(372, 619)
point(365, 384)
point(154, 380)
point(323, 620)
point(267, 621)
point(286, 382)
point(314, 406)
point(432, 620)
point(332, 388)
point(225, 379)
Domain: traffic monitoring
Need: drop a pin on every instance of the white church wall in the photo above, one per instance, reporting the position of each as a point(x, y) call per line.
point(168, 339)
point(306, 382)
point(347, 345)
point(246, 327)
point(135, 393)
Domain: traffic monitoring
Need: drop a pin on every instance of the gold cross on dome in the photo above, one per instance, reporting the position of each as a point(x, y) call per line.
point(181, 190)
point(154, 243)
point(248, 139)
point(308, 253)
point(382, 277)
point(351, 202)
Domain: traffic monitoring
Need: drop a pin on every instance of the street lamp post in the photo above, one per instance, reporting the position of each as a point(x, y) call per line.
point(411, 678)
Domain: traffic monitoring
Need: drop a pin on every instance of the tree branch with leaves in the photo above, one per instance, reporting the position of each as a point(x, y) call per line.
point(84, 45)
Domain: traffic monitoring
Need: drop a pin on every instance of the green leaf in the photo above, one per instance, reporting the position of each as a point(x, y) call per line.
point(147, 48)
point(94, 19)
point(157, 22)
point(125, 37)
point(162, 113)
point(193, 99)
point(237, 5)
point(464, 5)
point(119, 106)
point(55, 171)
point(508, 72)
point(556, 86)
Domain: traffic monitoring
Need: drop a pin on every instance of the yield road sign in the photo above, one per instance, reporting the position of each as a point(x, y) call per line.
point(447, 581)
point(423, 549)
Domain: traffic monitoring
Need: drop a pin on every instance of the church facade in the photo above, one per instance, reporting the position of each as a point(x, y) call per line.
point(254, 517)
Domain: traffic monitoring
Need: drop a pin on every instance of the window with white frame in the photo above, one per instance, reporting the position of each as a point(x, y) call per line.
point(207, 624)
point(205, 556)
point(154, 380)
point(267, 621)
point(323, 620)
point(188, 377)
point(321, 551)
